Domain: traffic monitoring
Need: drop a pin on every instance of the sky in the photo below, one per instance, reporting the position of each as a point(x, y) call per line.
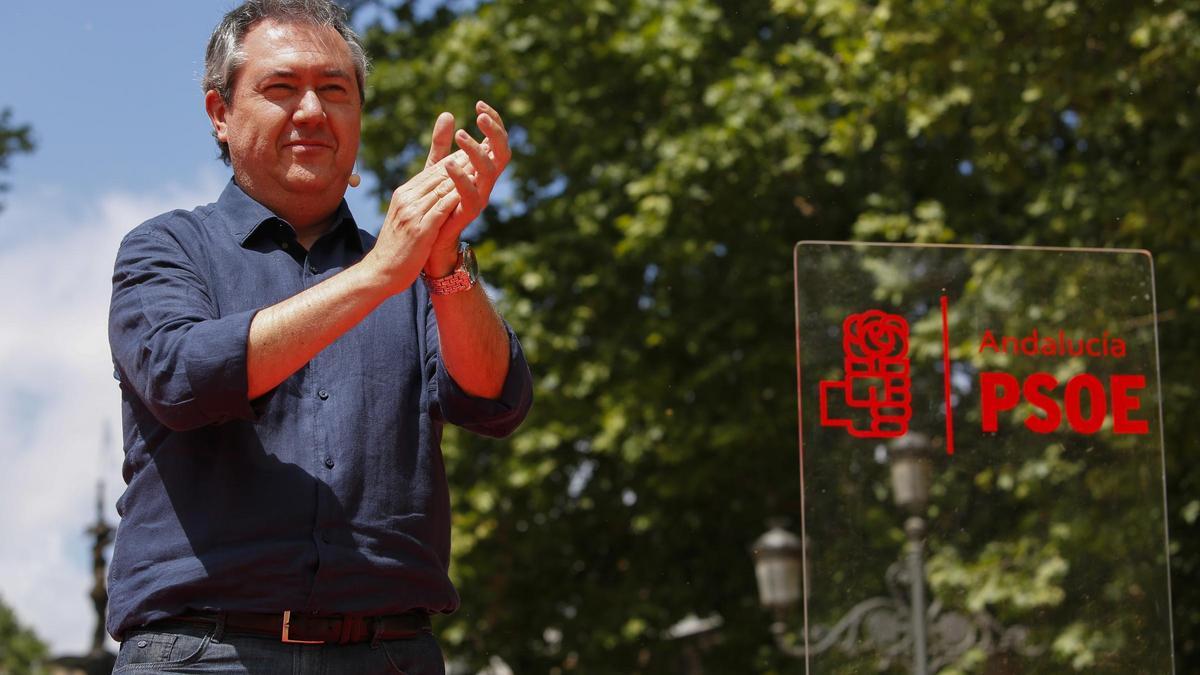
point(112, 92)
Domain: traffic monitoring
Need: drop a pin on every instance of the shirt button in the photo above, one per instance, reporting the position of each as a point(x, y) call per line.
point(312, 268)
point(323, 394)
point(142, 644)
point(284, 245)
point(328, 461)
point(325, 537)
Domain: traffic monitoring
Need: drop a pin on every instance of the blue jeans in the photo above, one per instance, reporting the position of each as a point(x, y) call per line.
point(199, 648)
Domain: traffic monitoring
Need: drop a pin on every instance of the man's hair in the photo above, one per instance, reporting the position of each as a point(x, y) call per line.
point(225, 55)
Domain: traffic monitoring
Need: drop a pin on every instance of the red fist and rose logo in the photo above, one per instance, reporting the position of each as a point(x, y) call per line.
point(875, 350)
point(877, 387)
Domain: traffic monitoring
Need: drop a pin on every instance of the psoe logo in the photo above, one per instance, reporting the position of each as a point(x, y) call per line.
point(877, 387)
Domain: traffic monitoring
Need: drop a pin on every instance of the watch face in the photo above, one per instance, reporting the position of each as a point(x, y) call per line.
point(470, 264)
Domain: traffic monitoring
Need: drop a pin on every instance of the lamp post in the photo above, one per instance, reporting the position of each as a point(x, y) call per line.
point(888, 627)
point(911, 475)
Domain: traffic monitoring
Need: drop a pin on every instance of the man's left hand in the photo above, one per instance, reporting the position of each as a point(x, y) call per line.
point(474, 181)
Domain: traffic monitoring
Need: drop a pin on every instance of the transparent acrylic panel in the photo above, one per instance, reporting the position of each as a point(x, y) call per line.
point(1036, 506)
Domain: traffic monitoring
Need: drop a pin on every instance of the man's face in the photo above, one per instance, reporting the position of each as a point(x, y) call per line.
point(293, 122)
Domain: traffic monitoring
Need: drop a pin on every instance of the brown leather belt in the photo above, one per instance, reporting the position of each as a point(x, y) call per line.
point(301, 628)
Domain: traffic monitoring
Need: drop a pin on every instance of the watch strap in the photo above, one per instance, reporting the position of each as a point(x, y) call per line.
point(461, 279)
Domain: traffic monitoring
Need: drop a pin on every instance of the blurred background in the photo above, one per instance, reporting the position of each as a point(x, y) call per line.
point(667, 156)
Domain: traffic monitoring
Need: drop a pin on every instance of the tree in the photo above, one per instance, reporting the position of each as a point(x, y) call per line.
point(13, 140)
point(666, 157)
point(21, 652)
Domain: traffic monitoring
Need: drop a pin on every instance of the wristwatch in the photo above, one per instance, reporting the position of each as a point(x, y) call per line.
point(463, 278)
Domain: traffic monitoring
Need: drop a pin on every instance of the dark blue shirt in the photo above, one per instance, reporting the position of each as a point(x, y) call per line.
point(327, 494)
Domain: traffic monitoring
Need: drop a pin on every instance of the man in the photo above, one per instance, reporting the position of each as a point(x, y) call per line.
point(285, 377)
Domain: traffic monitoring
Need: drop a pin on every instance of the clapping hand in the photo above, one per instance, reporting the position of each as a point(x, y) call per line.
point(474, 170)
point(427, 214)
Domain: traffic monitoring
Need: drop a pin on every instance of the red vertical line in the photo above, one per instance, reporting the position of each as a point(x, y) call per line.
point(946, 376)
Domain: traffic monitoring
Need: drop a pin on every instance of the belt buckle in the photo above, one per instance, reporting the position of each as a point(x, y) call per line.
point(287, 623)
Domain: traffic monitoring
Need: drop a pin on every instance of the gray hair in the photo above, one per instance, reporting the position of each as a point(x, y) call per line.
point(225, 55)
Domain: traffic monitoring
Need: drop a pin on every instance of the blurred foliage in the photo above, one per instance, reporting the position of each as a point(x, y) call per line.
point(13, 139)
point(667, 155)
point(21, 652)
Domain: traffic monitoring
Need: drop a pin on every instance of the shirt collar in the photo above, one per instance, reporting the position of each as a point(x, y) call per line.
point(244, 216)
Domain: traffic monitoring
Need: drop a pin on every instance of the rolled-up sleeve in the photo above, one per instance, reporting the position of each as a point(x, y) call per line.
point(497, 417)
point(170, 346)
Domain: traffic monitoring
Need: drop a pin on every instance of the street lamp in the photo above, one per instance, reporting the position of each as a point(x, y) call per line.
point(911, 474)
point(890, 626)
point(778, 557)
point(695, 636)
point(911, 470)
point(778, 567)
